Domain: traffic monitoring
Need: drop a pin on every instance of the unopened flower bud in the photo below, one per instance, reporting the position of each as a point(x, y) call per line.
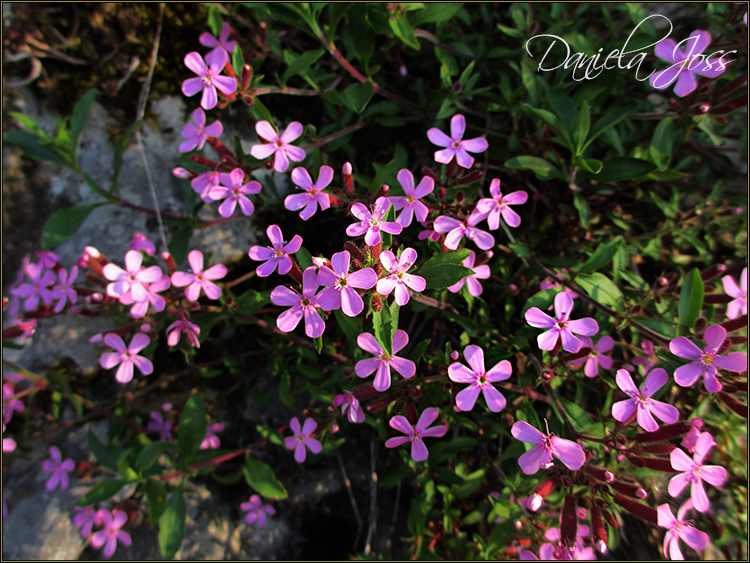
point(699, 326)
point(376, 303)
point(717, 298)
point(655, 463)
point(354, 250)
point(416, 391)
point(383, 191)
point(629, 489)
point(734, 404)
point(183, 174)
point(598, 529)
point(513, 288)
point(566, 482)
point(664, 433)
point(712, 272)
point(507, 420)
point(599, 473)
point(169, 261)
point(203, 161)
point(455, 355)
point(440, 194)
point(470, 178)
point(569, 521)
point(540, 493)
point(460, 197)
point(364, 392)
point(247, 76)
point(451, 168)
point(636, 508)
point(733, 325)
point(547, 375)
point(665, 449)
point(636, 310)
point(411, 412)
point(582, 353)
point(704, 108)
point(483, 258)
point(375, 406)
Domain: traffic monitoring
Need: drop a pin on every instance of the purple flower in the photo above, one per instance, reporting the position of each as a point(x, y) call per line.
point(59, 469)
point(371, 222)
point(202, 184)
point(199, 279)
point(705, 362)
point(64, 291)
point(480, 273)
point(140, 242)
point(212, 440)
point(183, 326)
point(415, 434)
point(221, 43)
point(739, 305)
point(232, 187)
point(86, 517)
point(549, 283)
point(410, 202)
point(682, 62)
point(196, 134)
point(301, 305)
point(492, 208)
point(398, 278)
point(9, 444)
point(278, 255)
point(691, 438)
point(547, 445)
point(459, 229)
point(649, 360)
point(641, 401)
point(382, 362)
point(163, 427)
point(134, 279)
point(208, 78)
point(10, 405)
point(111, 533)
point(480, 380)
point(341, 286)
point(47, 259)
point(37, 289)
point(350, 407)
point(595, 357)
point(454, 145)
point(302, 439)
point(679, 529)
point(560, 327)
point(256, 510)
point(278, 145)
point(126, 357)
point(140, 308)
point(314, 194)
point(694, 472)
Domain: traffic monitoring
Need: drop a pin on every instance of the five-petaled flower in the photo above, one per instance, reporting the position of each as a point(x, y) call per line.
point(459, 229)
point(480, 380)
point(350, 407)
point(314, 194)
point(111, 533)
point(371, 222)
point(454, 145)
point(649, 360)
point(41, 279)
point(398, 279)
point(197, 134)
point(59, 469)
point(277, 254)
point(64, 291)
point(183, 326)
point(679, 529)
point(383, 362)
point(160, 425)
point(547, 445)
point(641, 403)
point(126, 357)
point(472, 280)
point(341, 286)
point(208, 78)
point(221, 43)
point(211, 441)
point(233, 187)
point(302, 439)
point(693, 471)
point(256, 511)
point(86, 517)
point(595, 358)
point(493, 207)
point(134, 280)
point(560, 327)
point(301, 305)
point(141, 242)
point(199, 279)
point(414, 434)
point(686, 65)
point(278, 144)
point(707, 361)
point(738, 306)
point(410, 202)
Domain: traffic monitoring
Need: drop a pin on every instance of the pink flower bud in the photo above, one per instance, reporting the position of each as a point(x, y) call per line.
point(455, 355)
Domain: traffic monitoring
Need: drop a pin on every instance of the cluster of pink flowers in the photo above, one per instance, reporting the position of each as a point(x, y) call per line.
point(43, 283)
point(109, 535)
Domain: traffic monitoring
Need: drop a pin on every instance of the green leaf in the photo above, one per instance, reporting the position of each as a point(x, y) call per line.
point(583, 208)
point(543, 169)
point(565, 109)
point(251, 301)
point(80, 116)
point(214, 19)
point(553, 122)
point(579, 418)
point(192, 429)
point(261, 477)
point(581, 127)
point(661, 144)
point(542, 299)
point(605, 123)
point(528, 77)
point(691, 299)
point(104, 490)
point(416, 353)
point(350, 326)
point(623, 169)
point(436, 12)
point(601, 288)
point(120, 146)
point(383, 328)
point(179, 244)
point(357, 96)
point(445, 269)
point(270, 435)
point(238, 61)
point(401, 28)
point(591, 165)
point(500, 537)
point(360, 30)
point(304, 258)
point(520, 249)
point(64, 223)
point(151, 453)
point(707, 124)
point(156, 495)
point(318, 341)
point(336, 11)
point(29, 144)
point(172, 524)
point(603, 254)
point(302, 63)
point(260, 111)
point(107, 455)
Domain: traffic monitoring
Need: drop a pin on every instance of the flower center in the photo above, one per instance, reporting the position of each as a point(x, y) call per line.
point(707, 359)
point(456, 144)
point(341, 282)
point(305, 302)
point(374, 223)
point(561, 324)
point(410, 199)
point(278, 254)
point(482, 380)
point(207, 78)
point(278, 144)
point(199, 278)
point(313, 192)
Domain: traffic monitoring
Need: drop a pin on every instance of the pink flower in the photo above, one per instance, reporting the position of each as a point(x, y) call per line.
point(126, 357)
point(739, 305)
point(480, 380)
point(417, 433)
point(679, 529)
point(86, 517)
point(371, 222)
point(410, 202)
point(111, 533)
point(681, 70)
point(232, 188)
point(302, 439)
point(492, 208)
point(641, 401)
point(459, 229)
point(221, 43)
point(37, 289)
point(694, 472)
point(183, 326)
point(212, 440)
point(278, 255)
point(480, 273)
point(382, 362)
point(278, 144)
point(549, 283)
point(256, 510)
point(547, 445)
point(350, 407)
point(47, 259)
point(59, 469)
point(561, 327)
point(341, 286)
point(135, 279)
point(163, 427)
point(705, 362)
point(10, 405)
point(199, 279)
point(202, 184)
point(197, 134)
point(314, 194)
point(208, 78)
point(64, 291)
point(454, 145)
point(691, 438)
point(301, 306)
point(140, 242)
point(398, 279)
point(649, 360)
point(595, 357)
point(140, 308)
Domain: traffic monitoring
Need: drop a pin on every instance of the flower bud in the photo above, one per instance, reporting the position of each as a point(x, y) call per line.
point(582, 353)
point(655, 463)
point(540, 493)
point(513, 289)
point(717, 298)
point(507, 420)
point(629, 489)
point(733, 325)
point(365, 392)
point(734, 404)
point(704, 108)
point(636, 310)
point(348, 178)
point(637, 509)
point(712, 272)
point(699, 326)
point(665, 449)
point(451, 169)
point(383, 191)
point(354, 250)
point(470, 178)
point(566, 481)
point(460, 197)
point(203, 161)
point(598, 529)
point(599, 473)
point(183, 174)
point(737, 340)
point(171, 266)
point(376, 303)
point(455, 355)
point(569, 521)
point(247, 76)
point(375, 406)
point(440, 194)
point(416, 391)
point(667, 432)
point(547, 375)
point(411, 412)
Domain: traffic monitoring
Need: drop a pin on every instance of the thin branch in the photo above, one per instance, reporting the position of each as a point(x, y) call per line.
point(373, 498)
point(348, 484)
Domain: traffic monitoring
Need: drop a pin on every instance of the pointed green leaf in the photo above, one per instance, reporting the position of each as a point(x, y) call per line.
point(156, 495)
point(603, 254)
point(172, 524)
point(107, 455)
point(301, 64)
point(260, 476)
point(80, 117)
point(581, 127)
point(601, 288)
point(691, 299)
point(383, 327)
point(436, 12)
point(192, 429)
point(661, 144)
point(104, 490)
point(543, 169)
point(64, 223)
point(357, 96)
